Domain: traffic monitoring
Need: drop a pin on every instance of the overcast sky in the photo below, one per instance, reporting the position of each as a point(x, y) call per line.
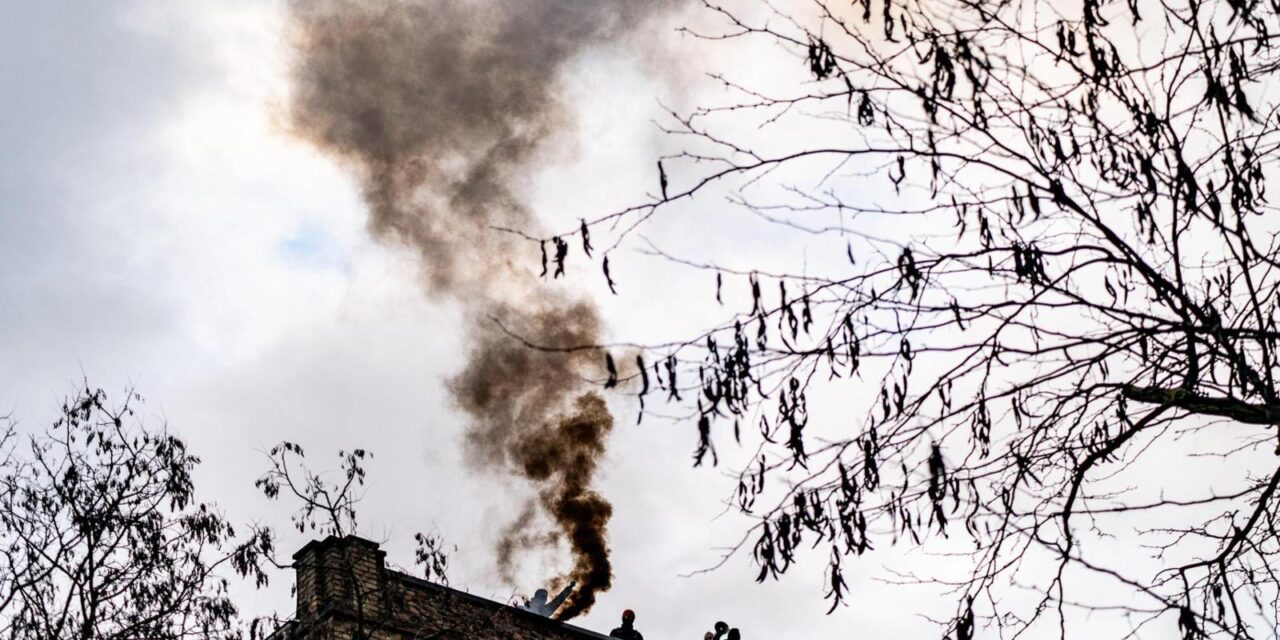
point(159, 229)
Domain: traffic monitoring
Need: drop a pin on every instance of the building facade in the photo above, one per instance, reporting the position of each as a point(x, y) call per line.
point(346, 592)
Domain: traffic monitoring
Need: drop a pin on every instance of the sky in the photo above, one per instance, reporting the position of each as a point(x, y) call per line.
point(161, 229)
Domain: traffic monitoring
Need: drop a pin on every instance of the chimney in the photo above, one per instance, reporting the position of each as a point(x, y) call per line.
point(340, 575)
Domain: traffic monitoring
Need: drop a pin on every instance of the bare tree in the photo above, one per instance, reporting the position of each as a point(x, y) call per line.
point(327, 507)
point(101, 535)
point(1056, 281)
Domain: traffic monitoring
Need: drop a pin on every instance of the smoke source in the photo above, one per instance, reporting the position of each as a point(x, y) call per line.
point(440, 107)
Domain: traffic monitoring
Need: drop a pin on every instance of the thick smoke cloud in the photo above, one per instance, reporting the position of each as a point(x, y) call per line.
point(440, 107)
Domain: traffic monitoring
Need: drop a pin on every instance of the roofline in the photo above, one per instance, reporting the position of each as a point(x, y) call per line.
point(494, 603)
point(426, 584)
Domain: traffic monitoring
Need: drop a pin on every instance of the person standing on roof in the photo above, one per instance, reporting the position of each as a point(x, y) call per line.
point(539, 605)
point(722, 629)
point(627, 631)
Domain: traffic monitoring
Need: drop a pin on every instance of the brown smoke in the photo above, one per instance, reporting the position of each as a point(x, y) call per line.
point(441, 108)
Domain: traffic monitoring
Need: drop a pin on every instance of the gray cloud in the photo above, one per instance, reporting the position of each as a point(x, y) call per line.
point(78, 90)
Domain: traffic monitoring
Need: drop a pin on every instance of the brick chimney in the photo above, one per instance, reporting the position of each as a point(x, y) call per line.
point(340, 575)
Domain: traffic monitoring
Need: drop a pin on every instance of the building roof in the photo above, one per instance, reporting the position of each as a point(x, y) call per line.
point(344, 583)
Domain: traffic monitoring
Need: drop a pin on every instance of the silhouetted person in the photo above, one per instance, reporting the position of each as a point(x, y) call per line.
point(721, 629)
point(723, 632)
point(626, 631)
point(539, 605)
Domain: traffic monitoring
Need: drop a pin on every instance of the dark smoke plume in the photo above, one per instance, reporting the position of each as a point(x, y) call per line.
point(440, 107)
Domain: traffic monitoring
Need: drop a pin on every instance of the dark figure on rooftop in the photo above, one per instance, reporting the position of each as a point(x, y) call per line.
point(539, 605)
point(627, 631)
point(723, 632)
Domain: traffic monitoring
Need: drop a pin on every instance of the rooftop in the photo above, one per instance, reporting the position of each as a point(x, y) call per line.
point(345, 590)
